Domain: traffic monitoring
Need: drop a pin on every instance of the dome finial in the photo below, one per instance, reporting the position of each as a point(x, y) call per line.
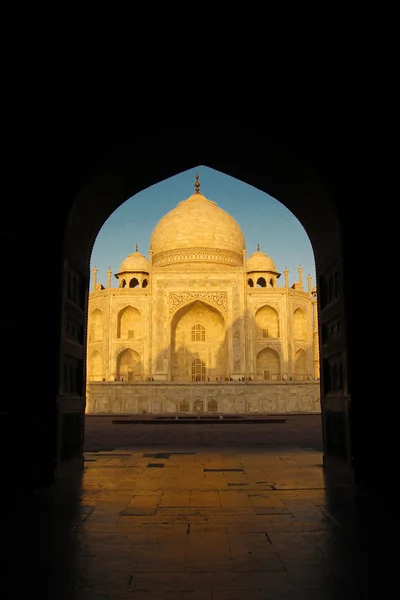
point(137, 247)
point(197, 184)
point(258, 247)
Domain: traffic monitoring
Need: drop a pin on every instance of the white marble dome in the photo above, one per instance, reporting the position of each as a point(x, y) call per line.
point(260, 262)
point(197, 230)
point(135, 263)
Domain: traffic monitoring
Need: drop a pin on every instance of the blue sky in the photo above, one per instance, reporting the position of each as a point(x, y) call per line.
point(262, 219)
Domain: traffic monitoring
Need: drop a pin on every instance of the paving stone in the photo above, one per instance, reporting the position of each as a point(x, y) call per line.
point(220, 523)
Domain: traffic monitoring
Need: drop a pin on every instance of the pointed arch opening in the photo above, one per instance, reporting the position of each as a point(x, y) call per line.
point(129, 366)
point(301, 365)
point(134, 282)
point(299, 324)
point(95, 366)
point(267, 323)
point(96, 325)
point(129, 324)
point(268, 365)
point(198, 332)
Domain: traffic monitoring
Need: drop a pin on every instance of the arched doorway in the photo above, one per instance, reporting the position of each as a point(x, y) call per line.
point(198, 343)
point(92, 194)
point(128, 323)
point(268, 365)
point(198, 370)
point(267, 322)
point(129, 366)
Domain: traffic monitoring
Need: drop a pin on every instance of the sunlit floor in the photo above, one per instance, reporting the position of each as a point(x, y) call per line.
point(178, 522)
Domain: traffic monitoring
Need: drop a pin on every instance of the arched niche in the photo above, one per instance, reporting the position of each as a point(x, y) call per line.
point(268, 365)
point(267, 322)
point(300, 365)
point(129, 365)
point(198, 332)
point(96, 325)
point(129, 323)
point(134, 282)
point(299, 325)
point(95, 366)
point(261, 282)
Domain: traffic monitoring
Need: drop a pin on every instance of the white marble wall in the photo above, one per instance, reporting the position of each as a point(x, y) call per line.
point(230, 397)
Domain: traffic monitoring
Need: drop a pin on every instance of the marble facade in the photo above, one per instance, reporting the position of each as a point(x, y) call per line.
point(198, 311)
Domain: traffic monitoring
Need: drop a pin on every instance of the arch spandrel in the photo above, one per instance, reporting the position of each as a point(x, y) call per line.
point(180, 300)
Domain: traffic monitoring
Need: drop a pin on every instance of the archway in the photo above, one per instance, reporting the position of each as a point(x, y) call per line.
point(198, 343)
point(299, 325)
point(129, 366)
point(96, 328)
point(95, 366)
point(310, 200)
point(268, 365)
point(300, 365)
point(129, 323)
point(267, 322)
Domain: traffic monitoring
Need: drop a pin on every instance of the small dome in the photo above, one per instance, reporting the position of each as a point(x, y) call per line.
point(135, 263)
point(260, 262)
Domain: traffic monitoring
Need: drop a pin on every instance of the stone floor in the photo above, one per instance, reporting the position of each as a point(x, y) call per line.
point(160, 520)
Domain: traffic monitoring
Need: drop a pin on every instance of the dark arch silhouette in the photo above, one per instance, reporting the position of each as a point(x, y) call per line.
point(312, 156)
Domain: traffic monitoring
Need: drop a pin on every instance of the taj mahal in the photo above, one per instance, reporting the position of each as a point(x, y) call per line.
point(200, 327)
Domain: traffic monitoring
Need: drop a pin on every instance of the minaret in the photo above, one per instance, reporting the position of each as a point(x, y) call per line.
point(94, 278)
point(109, 277)
point(286, 272)
point(300, 278)
point(309, 284)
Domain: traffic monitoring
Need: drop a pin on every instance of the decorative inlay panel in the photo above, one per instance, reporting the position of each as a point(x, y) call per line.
point(298, 347)
point(303, 307)
point(331, 330)
point(218, 299)
point(237, 324)
point(74, 330)
point(160, 330)
point(333, 373)
point(261, 303)
point(197, 254)
point(263, 345)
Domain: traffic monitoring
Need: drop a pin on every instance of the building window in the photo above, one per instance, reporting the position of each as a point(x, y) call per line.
point(265, 333)
point(198, 333)
point(198, 370)
point(131, 334)
point(130, 375)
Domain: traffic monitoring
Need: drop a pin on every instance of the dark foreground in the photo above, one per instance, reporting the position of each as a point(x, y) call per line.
point(206, 512)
